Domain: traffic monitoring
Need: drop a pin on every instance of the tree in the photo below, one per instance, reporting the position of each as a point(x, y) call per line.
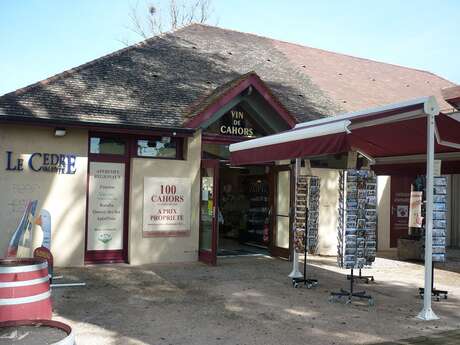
point(149, 20)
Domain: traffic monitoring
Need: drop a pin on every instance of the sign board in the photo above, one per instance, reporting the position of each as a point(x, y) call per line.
point(437, 167)
point(415, 210)
point(59, 163)
point(106, 206)
point(166, 206)
point(235, 122)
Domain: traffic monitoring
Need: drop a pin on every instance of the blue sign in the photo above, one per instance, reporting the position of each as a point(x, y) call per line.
point(47, 162)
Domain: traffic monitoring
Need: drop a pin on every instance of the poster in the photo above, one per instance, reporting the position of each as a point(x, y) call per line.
point(415, 211)
point(166, 206)
point(106, 206)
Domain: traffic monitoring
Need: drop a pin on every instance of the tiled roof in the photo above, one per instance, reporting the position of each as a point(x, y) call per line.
point(159, 82)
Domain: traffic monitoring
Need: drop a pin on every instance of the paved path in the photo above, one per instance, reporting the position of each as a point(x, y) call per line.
point(444, 338)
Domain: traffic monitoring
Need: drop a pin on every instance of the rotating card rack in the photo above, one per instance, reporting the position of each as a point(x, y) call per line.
point(439, 232)
point(356, 228)
point(306, 223)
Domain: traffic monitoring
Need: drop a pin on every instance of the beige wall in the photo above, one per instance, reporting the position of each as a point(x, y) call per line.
point(164, 249)
point(383, 211)
point(328, 209)
point(64, 196)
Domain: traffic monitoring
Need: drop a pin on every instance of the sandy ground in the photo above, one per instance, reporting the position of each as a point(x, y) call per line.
point(248, 301)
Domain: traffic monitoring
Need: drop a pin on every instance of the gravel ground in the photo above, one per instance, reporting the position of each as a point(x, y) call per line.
point(248, 301)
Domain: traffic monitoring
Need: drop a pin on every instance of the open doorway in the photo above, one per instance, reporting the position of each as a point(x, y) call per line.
point(244, 211)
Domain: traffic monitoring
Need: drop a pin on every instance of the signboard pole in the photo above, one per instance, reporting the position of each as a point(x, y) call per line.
point(427, 313)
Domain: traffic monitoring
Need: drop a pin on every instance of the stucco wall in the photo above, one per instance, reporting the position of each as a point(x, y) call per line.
point(64, 196)
point(164, 249)
point(328, 209)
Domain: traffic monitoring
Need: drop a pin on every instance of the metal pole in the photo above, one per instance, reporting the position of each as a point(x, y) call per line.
point(295, 273)
point(427, 313)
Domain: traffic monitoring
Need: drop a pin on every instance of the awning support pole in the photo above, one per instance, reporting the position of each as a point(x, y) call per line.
point(295, 273)
point(427, 313)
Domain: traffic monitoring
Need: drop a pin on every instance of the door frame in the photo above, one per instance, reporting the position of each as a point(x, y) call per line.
point(210, 257)
point(109, 256)
point(274, 250)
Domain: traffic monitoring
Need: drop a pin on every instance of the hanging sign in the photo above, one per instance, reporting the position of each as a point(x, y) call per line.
point(106, 206)
point(166, 206)
point(235, 122)
point(415, 210)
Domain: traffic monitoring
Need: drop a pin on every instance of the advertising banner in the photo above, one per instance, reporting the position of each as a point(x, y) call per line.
point(166, 206)
point(106, 206)
point(415, 210)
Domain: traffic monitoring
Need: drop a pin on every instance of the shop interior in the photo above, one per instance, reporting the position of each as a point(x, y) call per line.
point(243, 206)
point(243, 211)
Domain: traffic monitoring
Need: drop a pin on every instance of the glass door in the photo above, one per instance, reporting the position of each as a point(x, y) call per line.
point(208, 211)
point(281, 217)
point(107, 191)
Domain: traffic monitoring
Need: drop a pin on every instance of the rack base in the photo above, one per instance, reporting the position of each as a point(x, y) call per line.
point(309, 283)
point(366, 279)
point(351, 293)
point(437, 294)
point(344, 293)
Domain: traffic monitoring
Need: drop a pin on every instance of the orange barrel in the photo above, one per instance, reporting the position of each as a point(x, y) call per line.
point(24, 290)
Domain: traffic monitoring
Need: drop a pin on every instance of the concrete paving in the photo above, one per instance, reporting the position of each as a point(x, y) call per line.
point(250, 301)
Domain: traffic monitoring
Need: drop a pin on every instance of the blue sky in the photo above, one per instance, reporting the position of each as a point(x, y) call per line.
point(39, 38)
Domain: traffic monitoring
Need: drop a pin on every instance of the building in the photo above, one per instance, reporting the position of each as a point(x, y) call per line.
point(129, 152)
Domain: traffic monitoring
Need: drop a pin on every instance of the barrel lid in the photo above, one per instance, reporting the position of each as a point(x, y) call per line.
point(17, 265)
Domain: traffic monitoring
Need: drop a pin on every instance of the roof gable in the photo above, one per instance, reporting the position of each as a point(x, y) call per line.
point(223, 95)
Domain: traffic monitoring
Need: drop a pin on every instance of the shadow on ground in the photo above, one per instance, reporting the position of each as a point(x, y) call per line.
point(243, 301)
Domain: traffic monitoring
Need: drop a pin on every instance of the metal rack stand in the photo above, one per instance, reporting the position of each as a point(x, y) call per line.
point(366, 279)
point(308, 282)
point(434, 292)
point(351, 293)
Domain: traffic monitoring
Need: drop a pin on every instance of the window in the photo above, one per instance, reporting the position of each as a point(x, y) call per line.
point(162, 147)
point(107, 146)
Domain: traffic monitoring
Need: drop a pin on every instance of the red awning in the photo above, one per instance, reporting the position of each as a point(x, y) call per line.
point(390, 131)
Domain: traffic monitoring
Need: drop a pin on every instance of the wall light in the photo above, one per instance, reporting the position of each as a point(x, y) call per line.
point(60, 132)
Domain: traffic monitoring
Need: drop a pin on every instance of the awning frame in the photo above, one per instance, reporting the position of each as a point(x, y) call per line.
point(346, 123)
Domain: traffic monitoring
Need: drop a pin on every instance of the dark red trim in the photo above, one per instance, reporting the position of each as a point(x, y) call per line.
point(274, 250)
point(327, 144)
point(206, 256)
point(94, 126)
point(110, 256)
point(419, 168)
point(251, 80)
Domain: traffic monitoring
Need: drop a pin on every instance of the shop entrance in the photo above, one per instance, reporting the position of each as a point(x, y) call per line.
point(244, 211)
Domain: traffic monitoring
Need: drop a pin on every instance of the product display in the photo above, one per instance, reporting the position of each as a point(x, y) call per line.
point(439, 215)
point(301, 204)
point(313, 214)
point(307, 200)
point(439, 219)
point(357, 241)
point(258, 210)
